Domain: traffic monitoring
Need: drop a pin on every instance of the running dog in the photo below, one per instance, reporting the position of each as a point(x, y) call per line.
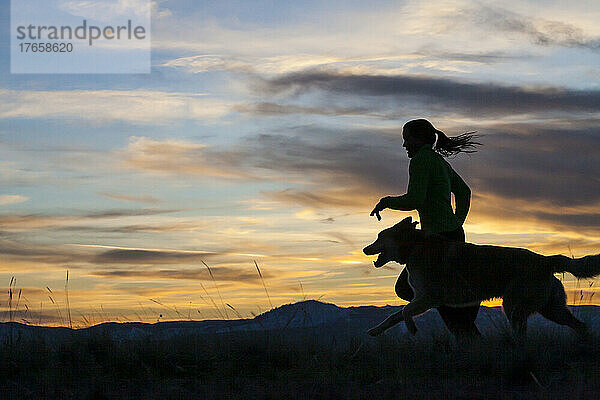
point(444, 272)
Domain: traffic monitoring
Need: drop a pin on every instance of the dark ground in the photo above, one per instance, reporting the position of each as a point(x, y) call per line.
point(337, 361)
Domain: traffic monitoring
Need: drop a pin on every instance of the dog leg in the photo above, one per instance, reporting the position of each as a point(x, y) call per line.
point(415, 307)
point(410, 325)
point(460, 321)
point(557, 311)
point(519, 326)
point(518, 322)
point(563, 316)
point(519, 302)
point(386, 324)
point(402, 287)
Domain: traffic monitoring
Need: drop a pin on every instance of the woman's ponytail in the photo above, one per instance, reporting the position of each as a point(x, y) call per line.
point(444, 145)
point(451, 146)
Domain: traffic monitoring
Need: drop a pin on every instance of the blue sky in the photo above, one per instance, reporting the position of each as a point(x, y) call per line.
point(268, 130)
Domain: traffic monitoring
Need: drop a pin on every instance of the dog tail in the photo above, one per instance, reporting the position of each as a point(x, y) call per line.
point(584, 267)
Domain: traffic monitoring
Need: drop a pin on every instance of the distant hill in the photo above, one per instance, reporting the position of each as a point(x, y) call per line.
point(310, 314)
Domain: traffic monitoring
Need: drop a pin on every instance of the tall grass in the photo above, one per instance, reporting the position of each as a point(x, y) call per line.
point(167, 307)
point(235, 311)
point(67, 298)
point(580, 297)
point(263, 283)
point(212, 302)
point(324, 362)
point(212, 277)
point(319, 363)
point(10, 298)
point(62, 322)
point(64, 314)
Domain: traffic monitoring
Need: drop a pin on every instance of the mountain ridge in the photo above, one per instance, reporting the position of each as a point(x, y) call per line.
point(307, 314)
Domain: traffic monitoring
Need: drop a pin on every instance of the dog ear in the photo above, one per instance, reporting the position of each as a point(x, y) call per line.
point(403, 225)
point(406, 221)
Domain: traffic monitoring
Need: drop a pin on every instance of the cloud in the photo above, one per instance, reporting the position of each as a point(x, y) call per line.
point(268, 109)
point(484, 57)
point(428, 57)
point(367, 63)
point(108, 11)
point(28, 221)
point(330, 157)
point(132, 106)
point(529, 216)
point(381, 30)
point(31, 317)
point(282, 64)
point(32, 254)
point(542, 163)
point(442, 94)
point(539, 164)
point(138, 228)
point(246, 275)
point(322, 198)
point(570, 246)
point(408, 37)
point(342, 238)
point(84, 256)
point(138, 256)
point(540, 31)
point(180, 157)
point(128, 213)
point(348, 169)
point(20, 222)
point(12, 199)
point(136, 199)
point(580, 221)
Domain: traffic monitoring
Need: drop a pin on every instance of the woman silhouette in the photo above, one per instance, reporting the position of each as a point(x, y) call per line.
point(431, 180)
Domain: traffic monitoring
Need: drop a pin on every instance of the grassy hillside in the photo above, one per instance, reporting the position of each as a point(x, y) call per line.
point(327, 361)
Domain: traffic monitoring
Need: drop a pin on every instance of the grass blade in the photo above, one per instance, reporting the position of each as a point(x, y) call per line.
point(68, 304)
point(263, 282)
point(216, 287)
point(212, 301)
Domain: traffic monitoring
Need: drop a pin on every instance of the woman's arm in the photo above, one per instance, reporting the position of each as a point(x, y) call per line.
point(462, 196)
point(417, 189)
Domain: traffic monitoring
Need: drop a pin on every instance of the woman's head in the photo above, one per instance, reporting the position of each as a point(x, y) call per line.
point(420, 129)
point(416, 134)
point(419, 132)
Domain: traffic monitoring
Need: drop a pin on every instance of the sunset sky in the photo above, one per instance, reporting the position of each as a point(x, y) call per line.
point(268, 130)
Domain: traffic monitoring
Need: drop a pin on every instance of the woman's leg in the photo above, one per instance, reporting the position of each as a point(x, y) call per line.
point(459, 320)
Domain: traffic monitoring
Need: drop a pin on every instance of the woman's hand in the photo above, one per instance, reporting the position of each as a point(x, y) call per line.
point(379, 207)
